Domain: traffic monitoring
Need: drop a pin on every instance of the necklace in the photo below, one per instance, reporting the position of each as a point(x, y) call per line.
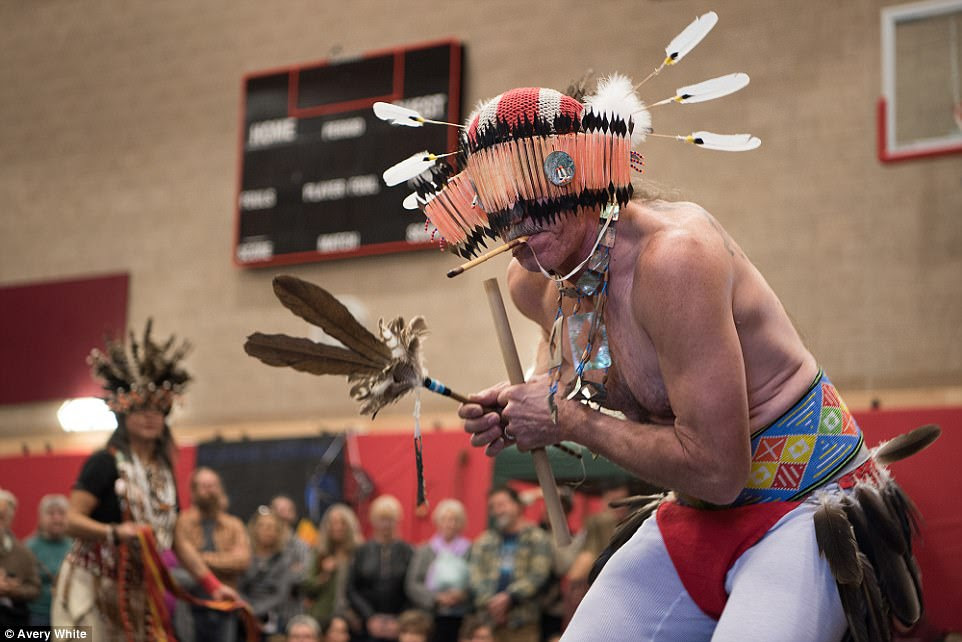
point(586, 331)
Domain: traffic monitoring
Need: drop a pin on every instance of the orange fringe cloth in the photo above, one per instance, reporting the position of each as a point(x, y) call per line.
point(157, 580)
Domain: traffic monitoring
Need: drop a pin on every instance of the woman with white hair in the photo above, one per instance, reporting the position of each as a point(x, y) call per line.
point(437, 580)
point(50, 545)
point(375, 587)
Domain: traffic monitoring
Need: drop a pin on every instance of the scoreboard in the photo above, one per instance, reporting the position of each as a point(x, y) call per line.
point(312, 154)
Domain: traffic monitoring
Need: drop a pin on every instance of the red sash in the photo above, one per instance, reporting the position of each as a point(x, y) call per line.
point(704, 544)
point(157, 579)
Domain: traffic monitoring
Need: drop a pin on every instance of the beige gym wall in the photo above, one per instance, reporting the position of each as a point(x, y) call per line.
point(118, 148)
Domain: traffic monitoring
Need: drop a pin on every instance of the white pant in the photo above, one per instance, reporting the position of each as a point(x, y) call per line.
point(780, 590)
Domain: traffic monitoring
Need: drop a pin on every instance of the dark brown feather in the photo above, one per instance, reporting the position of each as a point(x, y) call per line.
point(903, 507)
point(907, 444)
point(894, 577)
point(881, 520)
point(319, 307)
point(876, 613)
point(307, 356)
point(836, 542)
point(898, 587)
point(856, 610)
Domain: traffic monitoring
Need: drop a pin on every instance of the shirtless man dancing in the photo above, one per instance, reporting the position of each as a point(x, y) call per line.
point(719, 399)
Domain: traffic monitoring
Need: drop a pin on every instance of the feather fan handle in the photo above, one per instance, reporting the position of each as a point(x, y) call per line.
point(319, 307)
point(722, 142)
point(708, 89)
point(689, 38)
point(280, 350)
point(411, 167)
point(397, 115)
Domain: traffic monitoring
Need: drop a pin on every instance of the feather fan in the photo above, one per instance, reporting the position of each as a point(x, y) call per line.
point(382, 368)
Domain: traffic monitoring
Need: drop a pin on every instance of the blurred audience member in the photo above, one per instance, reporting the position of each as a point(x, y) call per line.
point(297, 551)
point(414, 625)
point(476, 628)
point(50, 546)
point(222, 542)
point(303, 628)
point(509, 566)
point(19, 583)
point(338, 537)
point(267, 582)
point(437, 580)
point(375, 588)
point(336, 629)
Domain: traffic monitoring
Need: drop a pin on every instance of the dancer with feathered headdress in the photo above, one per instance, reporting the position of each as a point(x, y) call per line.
point(668, 353)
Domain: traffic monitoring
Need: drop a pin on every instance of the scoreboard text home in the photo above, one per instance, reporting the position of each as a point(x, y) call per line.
point(312, 154)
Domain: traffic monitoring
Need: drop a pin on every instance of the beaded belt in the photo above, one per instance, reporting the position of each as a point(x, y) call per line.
point(805, 448)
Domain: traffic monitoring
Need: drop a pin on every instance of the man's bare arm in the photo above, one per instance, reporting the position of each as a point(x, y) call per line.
point(681, 297)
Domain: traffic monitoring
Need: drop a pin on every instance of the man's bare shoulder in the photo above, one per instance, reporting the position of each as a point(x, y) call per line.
point(680, 239)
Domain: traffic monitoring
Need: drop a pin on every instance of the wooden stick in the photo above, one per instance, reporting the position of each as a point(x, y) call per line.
point(510, 245)
point(552, 501)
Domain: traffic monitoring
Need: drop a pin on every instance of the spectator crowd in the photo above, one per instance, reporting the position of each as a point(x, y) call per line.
point(331, 583)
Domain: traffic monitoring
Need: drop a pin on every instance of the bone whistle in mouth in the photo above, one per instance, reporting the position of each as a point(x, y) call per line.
point(487, 255)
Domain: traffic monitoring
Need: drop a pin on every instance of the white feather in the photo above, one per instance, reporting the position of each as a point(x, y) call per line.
point(689, 38)
point(409, 168)
point(412, 201)
point(723, 142)
point(708, 89)
point(615, 96)
point(397, 115)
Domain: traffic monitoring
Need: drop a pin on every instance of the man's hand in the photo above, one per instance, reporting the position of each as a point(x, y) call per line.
point(498, 607)
point(127, 530)
point(483, 423)
point(526, 416)
point(449, 598)
point(224, 592)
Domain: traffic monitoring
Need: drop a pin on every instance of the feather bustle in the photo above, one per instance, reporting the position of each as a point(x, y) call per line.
point(836, 542)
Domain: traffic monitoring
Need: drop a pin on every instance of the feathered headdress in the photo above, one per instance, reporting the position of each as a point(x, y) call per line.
point(531, 154)
point(144, 375)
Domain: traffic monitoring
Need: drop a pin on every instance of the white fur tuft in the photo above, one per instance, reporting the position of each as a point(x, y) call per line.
point(615, 95)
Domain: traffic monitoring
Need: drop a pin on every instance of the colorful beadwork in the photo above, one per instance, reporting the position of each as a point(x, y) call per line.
point(808, 445)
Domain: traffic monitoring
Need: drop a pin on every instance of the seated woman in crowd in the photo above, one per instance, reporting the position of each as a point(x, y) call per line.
point(268, 580)
point(375, 588)
point(324, 587)
point(437, 580)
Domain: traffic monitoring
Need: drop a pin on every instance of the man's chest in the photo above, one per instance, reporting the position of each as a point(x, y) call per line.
point(634, 384)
